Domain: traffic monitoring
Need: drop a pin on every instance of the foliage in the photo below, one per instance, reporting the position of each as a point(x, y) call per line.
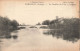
point(46, 22)
point(7, 24)
point(38, 23)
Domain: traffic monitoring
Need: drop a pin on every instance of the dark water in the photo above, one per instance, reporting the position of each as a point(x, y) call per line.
point(68, 36)
point(34, 39)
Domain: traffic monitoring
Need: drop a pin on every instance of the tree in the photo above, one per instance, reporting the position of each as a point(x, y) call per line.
point(14, 24)
point(46, 22)
point(38, 23)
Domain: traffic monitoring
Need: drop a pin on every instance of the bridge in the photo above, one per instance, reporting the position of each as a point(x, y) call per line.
point(35, 26)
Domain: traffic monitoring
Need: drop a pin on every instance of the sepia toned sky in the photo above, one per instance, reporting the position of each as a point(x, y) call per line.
point(32, 14)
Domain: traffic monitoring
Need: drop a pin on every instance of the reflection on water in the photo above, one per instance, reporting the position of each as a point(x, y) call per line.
point(8, 34)
point(33, 39)
point(69, 36)
point(14, 34)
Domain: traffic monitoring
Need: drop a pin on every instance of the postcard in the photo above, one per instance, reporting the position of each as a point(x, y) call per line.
point(39, 25)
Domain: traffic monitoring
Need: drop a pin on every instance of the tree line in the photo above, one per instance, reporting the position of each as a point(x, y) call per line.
point(63, 23)
point(7, 25)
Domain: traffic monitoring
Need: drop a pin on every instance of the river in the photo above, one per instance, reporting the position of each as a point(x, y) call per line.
point(33, 39)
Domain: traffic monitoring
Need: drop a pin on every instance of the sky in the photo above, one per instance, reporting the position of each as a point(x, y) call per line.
point(32, 14)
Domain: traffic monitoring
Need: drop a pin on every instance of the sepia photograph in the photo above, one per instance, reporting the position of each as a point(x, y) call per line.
point(39, 25)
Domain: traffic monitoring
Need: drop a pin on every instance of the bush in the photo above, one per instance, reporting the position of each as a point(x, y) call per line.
point(7, 25)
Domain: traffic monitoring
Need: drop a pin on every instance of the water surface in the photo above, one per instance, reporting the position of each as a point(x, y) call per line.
point(34, 39)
